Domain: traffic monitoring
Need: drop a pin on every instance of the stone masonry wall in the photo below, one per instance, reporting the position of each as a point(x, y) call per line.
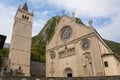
point(56, 78)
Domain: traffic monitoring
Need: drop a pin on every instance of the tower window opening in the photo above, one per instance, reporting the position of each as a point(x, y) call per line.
point(27, 18)
point(23, 16)
point(19, 68)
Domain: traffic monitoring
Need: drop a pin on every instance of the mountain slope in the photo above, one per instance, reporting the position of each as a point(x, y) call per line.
point(114, 46)
point(39, 41)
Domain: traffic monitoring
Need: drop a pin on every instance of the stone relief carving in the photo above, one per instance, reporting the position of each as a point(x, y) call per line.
point(67, 53)
point(52, 69)
point(87, 64)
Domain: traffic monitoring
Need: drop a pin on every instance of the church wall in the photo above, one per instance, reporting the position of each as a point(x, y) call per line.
point(78, 51)
point(113, 65)
point(82, 30)
point(51, 64)
point(82, 66)
point(96, 57)
point(66, 21)
point(68, 62)
point(117, 64)
point(78, 31)
point(103, 48)
point(54, 63)
point(80, 59)
point(77, 59)
point(60, 64)
point(47, 64)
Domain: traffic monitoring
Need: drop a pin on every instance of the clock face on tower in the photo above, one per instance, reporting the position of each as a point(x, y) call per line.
point(66, 33)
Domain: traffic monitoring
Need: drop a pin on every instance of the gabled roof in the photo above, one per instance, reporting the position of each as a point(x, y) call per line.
point(25, 7)
point(111, 54)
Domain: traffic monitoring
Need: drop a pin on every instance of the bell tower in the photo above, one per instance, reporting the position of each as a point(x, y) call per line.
point(20, 48)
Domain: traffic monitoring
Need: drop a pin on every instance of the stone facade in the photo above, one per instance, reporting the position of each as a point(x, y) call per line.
point(61, 78)
point(20, 48)
point(112, 66)
point(75, 50)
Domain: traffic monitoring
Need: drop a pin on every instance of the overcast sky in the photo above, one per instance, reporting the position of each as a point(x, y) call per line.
point(104, 13)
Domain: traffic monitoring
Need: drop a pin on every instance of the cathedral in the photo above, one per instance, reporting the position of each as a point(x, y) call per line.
point(77, 50)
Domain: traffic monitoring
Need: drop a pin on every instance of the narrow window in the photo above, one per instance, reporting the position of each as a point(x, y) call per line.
point(27, 18)
point(22, 16)
point(106, 64)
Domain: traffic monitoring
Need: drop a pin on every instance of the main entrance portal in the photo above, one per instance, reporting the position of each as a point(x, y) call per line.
point(68, 72)
point(69, 75)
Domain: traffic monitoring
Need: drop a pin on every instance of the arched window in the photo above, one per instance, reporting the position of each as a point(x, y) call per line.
point(27, 18)
point(23, 16)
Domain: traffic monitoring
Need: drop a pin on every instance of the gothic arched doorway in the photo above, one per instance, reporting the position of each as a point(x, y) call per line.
point(68, 72)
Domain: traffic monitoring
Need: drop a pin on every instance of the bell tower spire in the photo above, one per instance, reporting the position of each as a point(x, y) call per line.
point(25, 7)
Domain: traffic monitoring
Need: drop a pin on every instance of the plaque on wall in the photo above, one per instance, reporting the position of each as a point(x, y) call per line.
point(2, 40)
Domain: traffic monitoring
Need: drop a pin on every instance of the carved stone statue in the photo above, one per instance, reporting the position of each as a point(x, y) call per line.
point(63, 12)
point(73, 14)
point(87, 64)
point(52, 69)
point(90, 22)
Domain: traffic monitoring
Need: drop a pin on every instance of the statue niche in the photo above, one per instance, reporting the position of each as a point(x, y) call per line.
point(87, 64)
